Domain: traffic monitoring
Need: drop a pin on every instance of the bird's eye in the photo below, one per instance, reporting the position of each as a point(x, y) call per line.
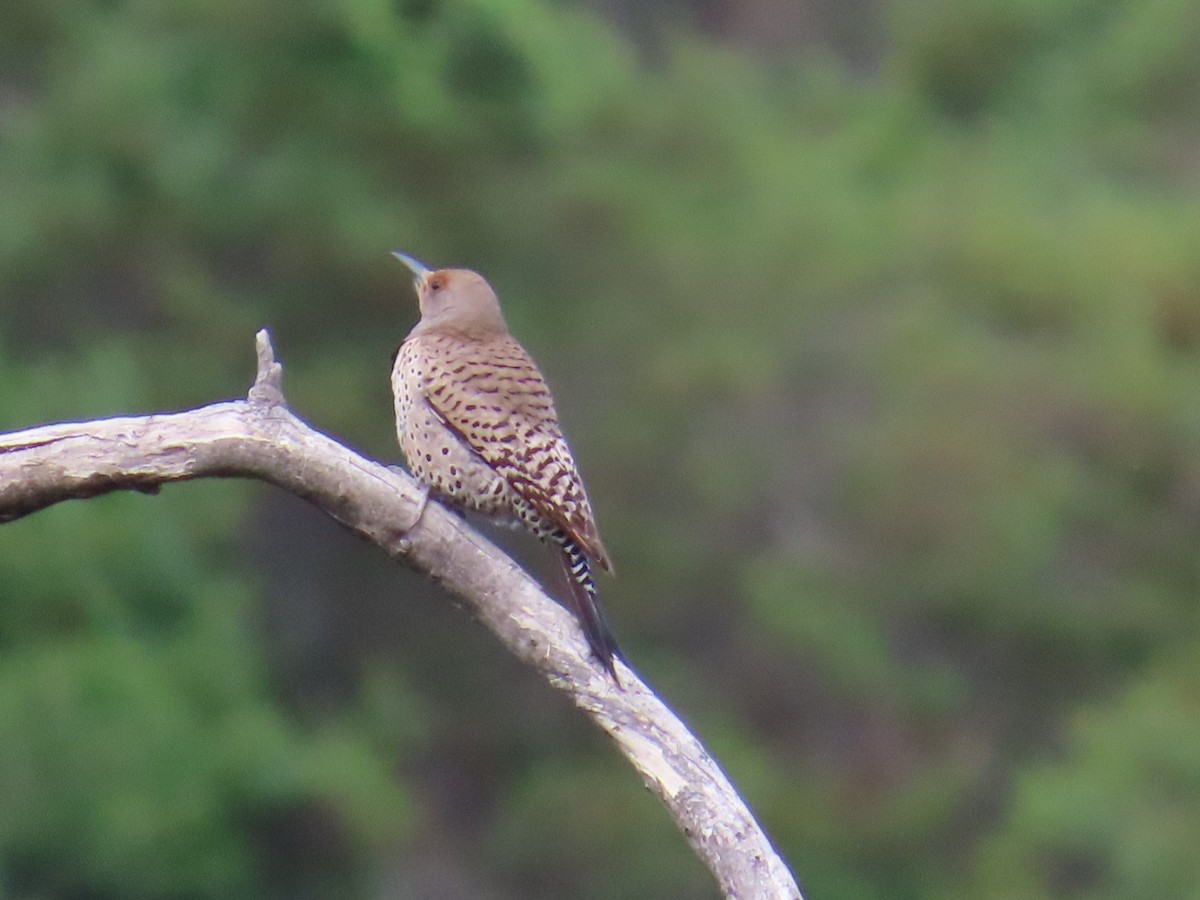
point(437, 282)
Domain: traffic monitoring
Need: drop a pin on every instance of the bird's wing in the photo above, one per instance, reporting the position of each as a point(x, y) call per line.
point(495, 399)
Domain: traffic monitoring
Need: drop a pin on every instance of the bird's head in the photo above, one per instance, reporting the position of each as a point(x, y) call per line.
point(456, 300)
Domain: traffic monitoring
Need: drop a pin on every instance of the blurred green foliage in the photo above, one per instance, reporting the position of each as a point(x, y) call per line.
point(885, 389)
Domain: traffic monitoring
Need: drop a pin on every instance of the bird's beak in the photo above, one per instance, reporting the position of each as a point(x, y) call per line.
point(418, 268)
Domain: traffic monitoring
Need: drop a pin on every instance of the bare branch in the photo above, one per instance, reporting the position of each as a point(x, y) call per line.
point(260, 438)
point(268, 381)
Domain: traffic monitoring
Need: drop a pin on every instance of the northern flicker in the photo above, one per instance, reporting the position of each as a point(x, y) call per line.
point(478, 427)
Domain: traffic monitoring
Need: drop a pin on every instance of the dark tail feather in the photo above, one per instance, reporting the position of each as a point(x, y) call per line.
point(587, 607)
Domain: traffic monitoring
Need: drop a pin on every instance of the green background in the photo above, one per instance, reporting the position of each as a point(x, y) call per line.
point(880, 355)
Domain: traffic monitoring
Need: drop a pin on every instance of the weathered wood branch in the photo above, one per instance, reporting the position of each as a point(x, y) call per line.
point(259, 438)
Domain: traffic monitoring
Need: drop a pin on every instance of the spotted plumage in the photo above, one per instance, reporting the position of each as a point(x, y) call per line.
point(478, 426)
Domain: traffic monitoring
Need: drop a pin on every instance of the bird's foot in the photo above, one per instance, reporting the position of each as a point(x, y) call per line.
point(401, 535)
point(422, 502)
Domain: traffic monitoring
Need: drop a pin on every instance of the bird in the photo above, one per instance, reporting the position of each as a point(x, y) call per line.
point(478, 427)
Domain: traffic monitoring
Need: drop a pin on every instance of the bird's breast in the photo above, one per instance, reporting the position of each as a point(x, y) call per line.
point(436, 454)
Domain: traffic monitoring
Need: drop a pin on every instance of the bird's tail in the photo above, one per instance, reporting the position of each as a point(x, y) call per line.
point(587, 605)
